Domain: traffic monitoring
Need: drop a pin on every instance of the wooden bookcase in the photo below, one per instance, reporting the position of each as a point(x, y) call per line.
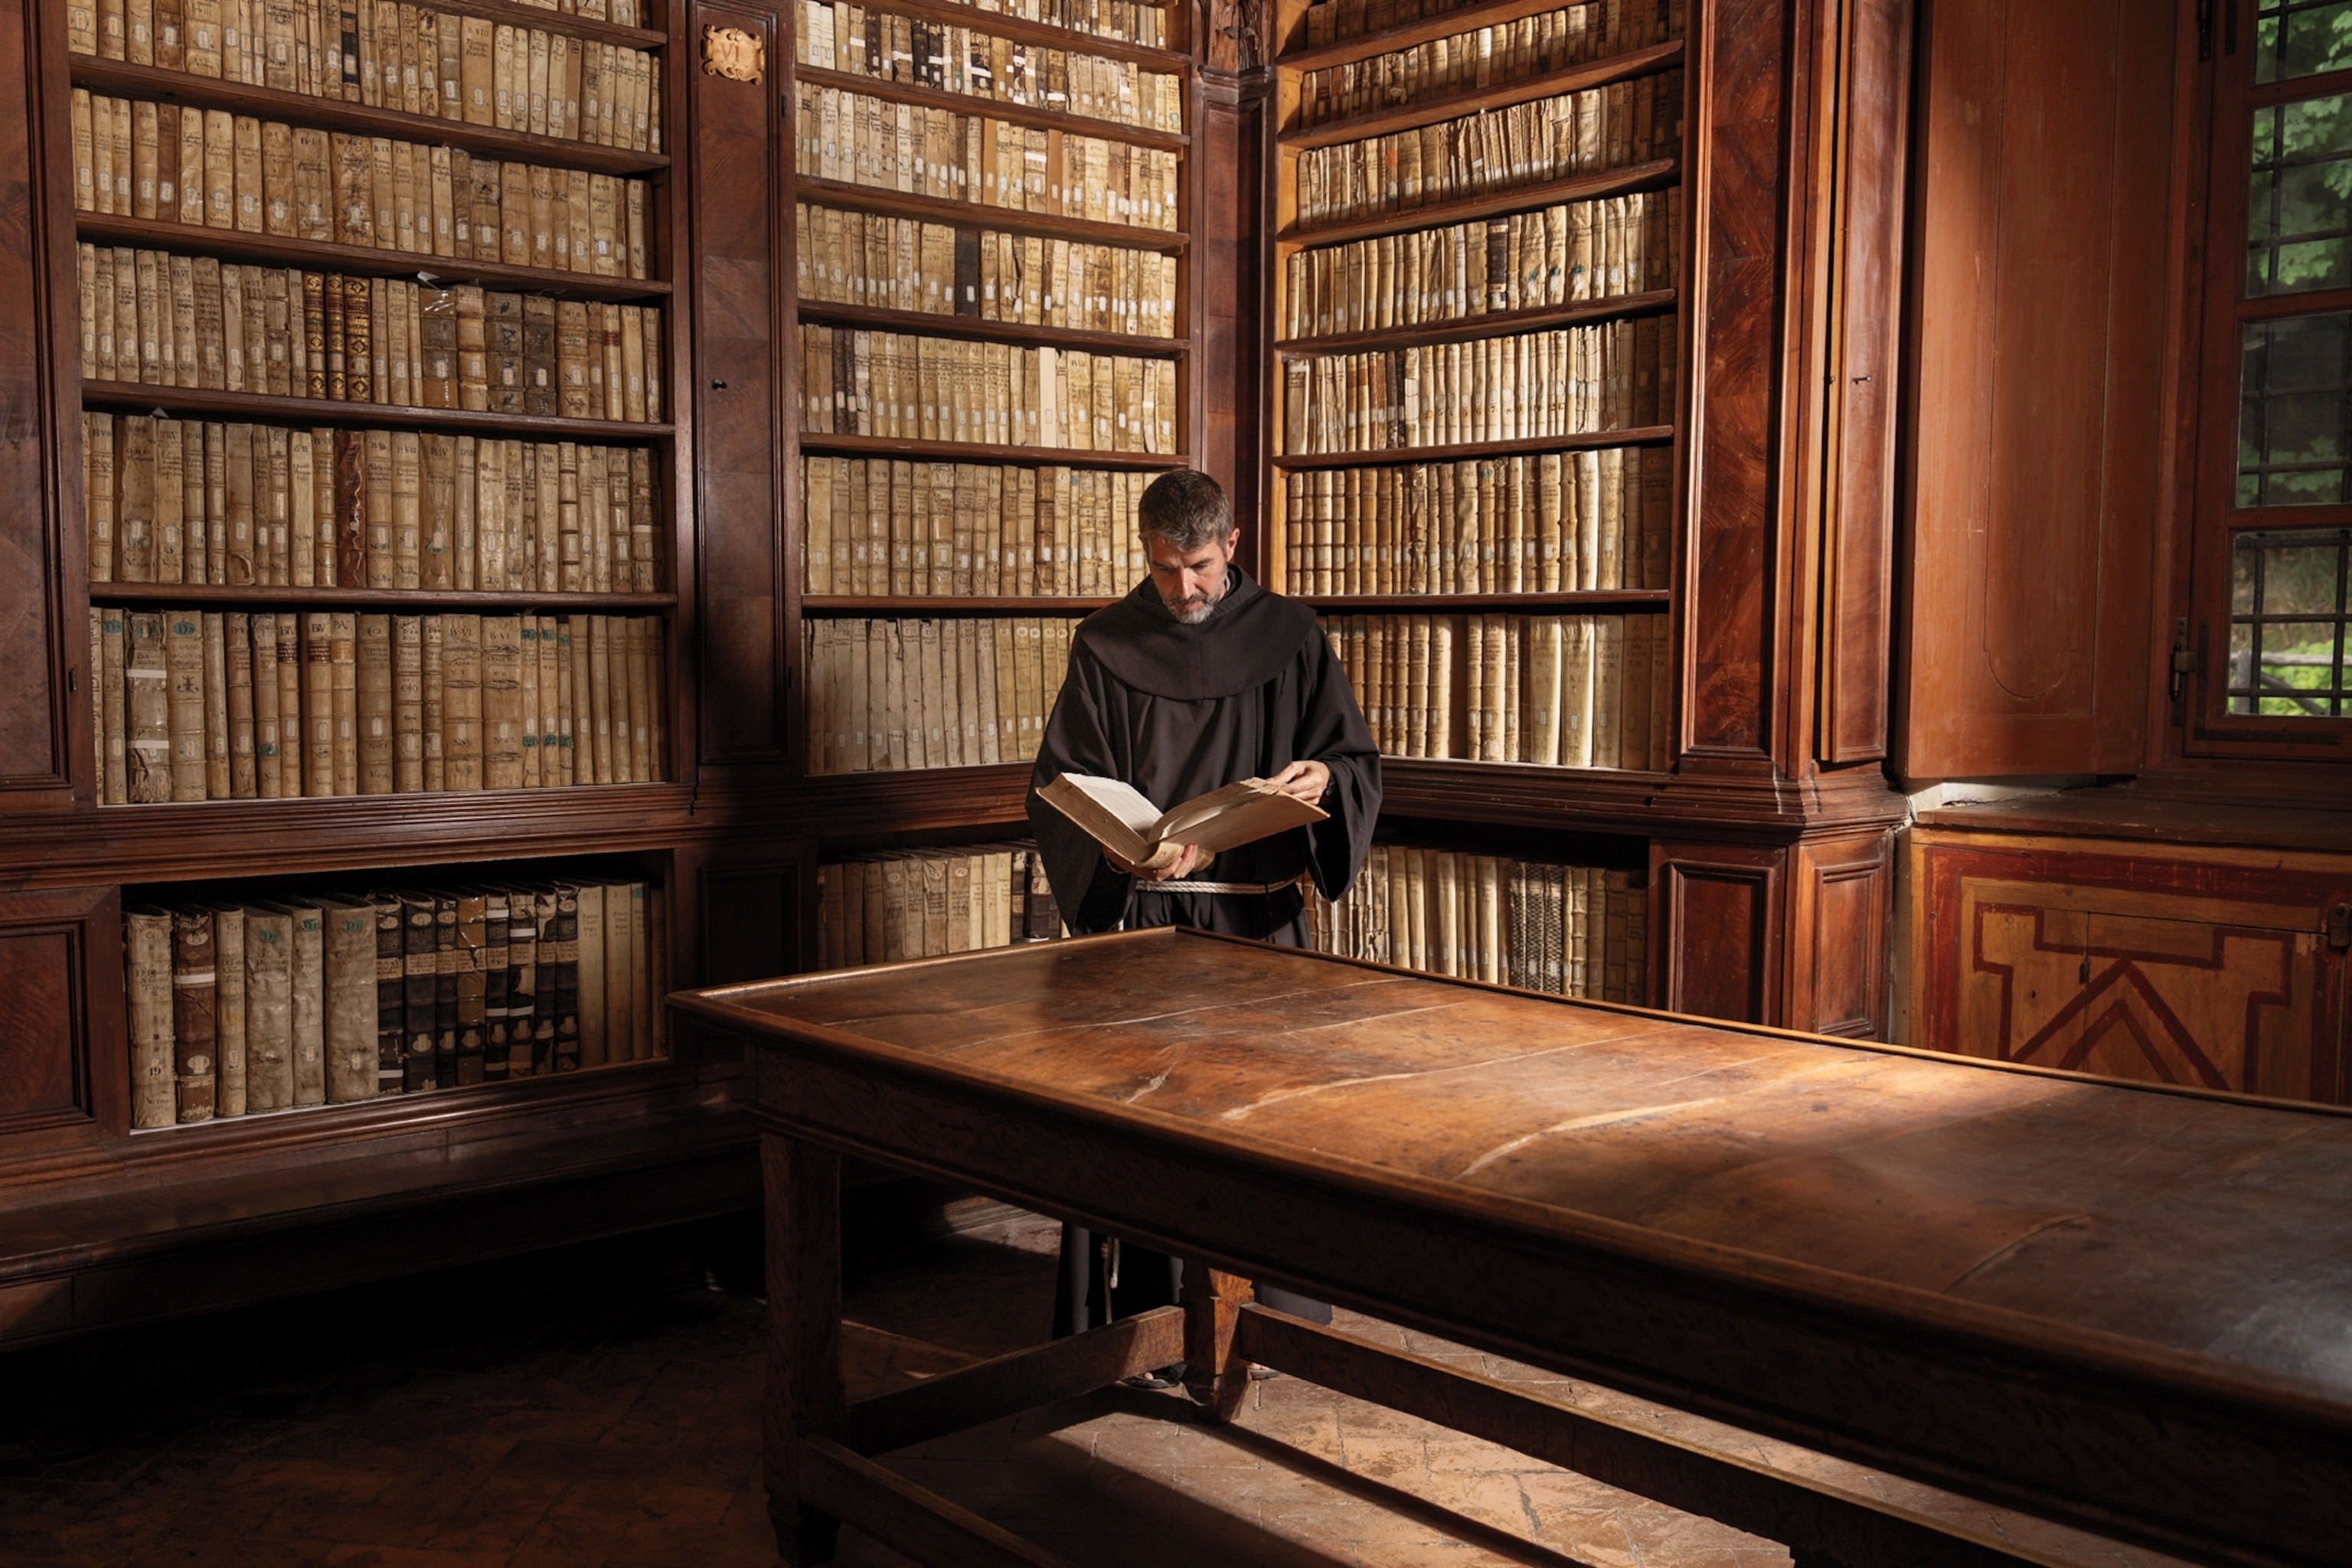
point(1766, 849)
point(892, 808)
point(525, 1162)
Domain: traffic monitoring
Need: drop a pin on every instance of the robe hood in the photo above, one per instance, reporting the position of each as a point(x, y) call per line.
point(1251, 637)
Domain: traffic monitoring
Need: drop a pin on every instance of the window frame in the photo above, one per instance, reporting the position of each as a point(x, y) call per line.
point(2207, 729)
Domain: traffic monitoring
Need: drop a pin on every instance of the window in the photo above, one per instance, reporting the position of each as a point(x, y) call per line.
point(2274, 537)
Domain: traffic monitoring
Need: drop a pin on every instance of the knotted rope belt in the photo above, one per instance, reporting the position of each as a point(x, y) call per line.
point(1216, 887)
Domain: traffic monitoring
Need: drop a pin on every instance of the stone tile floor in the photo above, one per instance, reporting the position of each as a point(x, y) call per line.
point(599, 1406)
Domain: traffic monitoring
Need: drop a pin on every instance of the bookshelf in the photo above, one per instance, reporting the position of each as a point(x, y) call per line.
point(86, 867)
point(1476, 287)
point(1014, 71)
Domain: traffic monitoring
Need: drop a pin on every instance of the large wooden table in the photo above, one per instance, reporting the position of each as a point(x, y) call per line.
point(2126, 1309)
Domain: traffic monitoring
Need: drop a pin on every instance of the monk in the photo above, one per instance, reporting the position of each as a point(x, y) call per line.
point(1198, 679)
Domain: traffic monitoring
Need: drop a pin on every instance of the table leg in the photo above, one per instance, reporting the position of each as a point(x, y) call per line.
point(803, 1185)
point(1215, 1376)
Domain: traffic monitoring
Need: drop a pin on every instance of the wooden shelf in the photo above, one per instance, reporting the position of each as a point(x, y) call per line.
point(978, 214)
point(138, 397)
point(1450, 604)
point(824, 606)
point(124, 80)
point(1486, 204)
point(1576, 77)
point(1637, 435)
point(1011, 110)
point(1495, 323)
point(176, 841)
point(975, 452)
point(979, 328)
point(998, 23)
point(458, 599)
point(319, 256)
point(1404, 36)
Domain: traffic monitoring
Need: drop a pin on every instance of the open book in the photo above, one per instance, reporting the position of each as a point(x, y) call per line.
point(1140, 833)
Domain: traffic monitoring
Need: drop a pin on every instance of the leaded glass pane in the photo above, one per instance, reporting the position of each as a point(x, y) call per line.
point(2295, 422)
point(2300, 37)
point(2288, 621)
point(2299, 204)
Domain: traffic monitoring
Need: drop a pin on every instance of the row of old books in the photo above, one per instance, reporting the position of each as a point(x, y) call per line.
point(1484, 56)
point(1569, 931)
point(1552, 255)
point(901, 264)
point(1556, 522)
point(867, 40)
point(1573, 691)
point(414, 59)
point(171, 501)
point(237, 1008)
point(859, 139)
point(943, 389)
point(191, 705)
point(157, 318)
point(927, 903)
point(1140, 22)
point(236, 173)
point(1569, 381)
point(873, 527)
point(1328, 21)
point(1611, 127)
point(886, 695)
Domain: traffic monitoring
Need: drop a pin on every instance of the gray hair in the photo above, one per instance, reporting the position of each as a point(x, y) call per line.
point(1186, 508)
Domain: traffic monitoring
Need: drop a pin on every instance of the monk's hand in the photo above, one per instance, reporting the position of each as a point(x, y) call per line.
point(1168, 863)
point(1304, 780)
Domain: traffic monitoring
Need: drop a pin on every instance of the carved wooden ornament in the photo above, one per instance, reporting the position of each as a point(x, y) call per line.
point(734, 54)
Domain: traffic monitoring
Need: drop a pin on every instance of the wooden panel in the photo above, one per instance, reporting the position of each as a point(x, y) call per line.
point(60, 996)
point(1234, 303)
point(1857, 610)
point(35, 722)
point(2040, 338)
point(751, 919)
point(1738, 188)
point(743, 229)
point(2204, 971)
point(1837, 923)
point(1716, 912)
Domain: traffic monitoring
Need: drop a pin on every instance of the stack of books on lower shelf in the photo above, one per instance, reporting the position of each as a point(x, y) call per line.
point(1570, 931)
point(923, 903)
point(252, 1006)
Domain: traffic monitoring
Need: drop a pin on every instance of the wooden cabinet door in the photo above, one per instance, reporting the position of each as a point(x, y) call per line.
point(61, 1013)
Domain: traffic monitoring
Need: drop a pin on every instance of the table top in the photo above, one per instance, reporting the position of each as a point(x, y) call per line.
point(2201, 1241)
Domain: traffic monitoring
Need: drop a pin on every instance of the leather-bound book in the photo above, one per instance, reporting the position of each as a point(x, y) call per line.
point(343, 695)
point(539, 361)
point(148, 973)
point(560, 961)
point(501, 702)
point(461, 698)
point(449, 963)
point(183, 664)
point(589, 975)
point(194, 978)
point(236, 698)
point(391, 993)
point(405, 477)
point(373, 704)
point(359, 340)
point(493, 960)
point(620, 976)
point(267, 737)
point(267, 949)
point(348, 995)
point(433, 705)
point(420, 968)
point(526, 1009)
point(472, 1020)
point(291, 738)
point(504, 341)
point(407, 704)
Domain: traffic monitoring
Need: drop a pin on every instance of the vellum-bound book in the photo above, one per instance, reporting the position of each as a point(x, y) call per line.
point(1140, 833)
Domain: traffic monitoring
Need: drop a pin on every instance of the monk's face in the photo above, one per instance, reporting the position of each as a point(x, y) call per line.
point(1191, 582)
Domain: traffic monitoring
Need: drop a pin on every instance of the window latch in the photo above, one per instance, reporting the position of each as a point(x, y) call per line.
point(2184, 658)
point(2339, 927)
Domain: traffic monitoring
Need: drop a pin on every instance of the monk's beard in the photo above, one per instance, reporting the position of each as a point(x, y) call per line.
point(1195, 610)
